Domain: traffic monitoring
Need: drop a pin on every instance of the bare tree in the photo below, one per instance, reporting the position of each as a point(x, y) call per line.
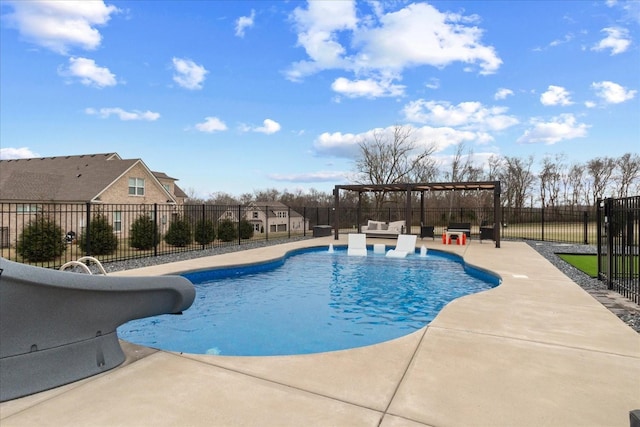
point(575, 184)
point(391, 156)
point(516, 175)
point(600, 170)
point(495, 165)
point(221, 198)
point(629, 171)
point(550, 180)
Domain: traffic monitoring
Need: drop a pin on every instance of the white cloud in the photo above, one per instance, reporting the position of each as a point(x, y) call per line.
point(188, 74)
point(421, 35)
point(123, 115)
point(558, 129)
point(382, 46)
point(320, 176)
point(337, 144)
point(269, 127)
point(612, 93)
point(89, 73)
point(467, 115)
point(317, 26)
point(10, 153)
point(346, 145)
point(368, 88)
point(244, 22)
point(60, 25)
point(502, 93)
point(433, 83)
point(556, 95)
point(211, 124)
point(618, 40)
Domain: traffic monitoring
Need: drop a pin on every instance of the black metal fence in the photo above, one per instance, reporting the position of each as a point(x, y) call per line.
point(618, 243)
point(74, 225)
point(266, 223)
point(545, 224)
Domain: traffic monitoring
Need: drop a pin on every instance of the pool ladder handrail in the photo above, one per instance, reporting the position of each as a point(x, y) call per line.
point(79, 263)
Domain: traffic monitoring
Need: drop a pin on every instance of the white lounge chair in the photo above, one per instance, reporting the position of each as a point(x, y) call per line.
point(357, 244)
point(406, 244)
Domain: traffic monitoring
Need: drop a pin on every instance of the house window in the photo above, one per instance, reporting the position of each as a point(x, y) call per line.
point(117, 221)
point(26, 209)
point(136, 186)
point(167, 187)
point(255, 215)
point(282, 214)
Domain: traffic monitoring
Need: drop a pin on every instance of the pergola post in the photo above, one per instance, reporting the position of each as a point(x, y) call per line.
point(336, 216)
point(497, 213)
point(422, 210)
point(407, 211)
point(359, 211)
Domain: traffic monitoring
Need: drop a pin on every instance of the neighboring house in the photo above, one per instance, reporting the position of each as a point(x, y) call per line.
point(269, 216)
point(28, 185)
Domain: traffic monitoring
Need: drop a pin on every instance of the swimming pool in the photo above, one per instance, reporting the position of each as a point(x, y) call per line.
point(310, 301)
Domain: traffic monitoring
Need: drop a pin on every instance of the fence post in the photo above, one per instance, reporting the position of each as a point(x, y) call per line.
point(203, 226)
point(304, 221)
point(266, 222)
point(585, 223)
point(289, 221)
point(608, 214)
point(239, 219)
point(87, 242)
point(599, 206)
point(541, 220)
point(155, 229)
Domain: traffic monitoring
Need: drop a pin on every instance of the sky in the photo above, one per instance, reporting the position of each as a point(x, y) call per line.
point(243, 96)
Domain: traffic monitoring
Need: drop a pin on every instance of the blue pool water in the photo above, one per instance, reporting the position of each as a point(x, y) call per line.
point(311, 301)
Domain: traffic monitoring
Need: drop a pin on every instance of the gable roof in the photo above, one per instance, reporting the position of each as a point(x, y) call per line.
point(80, 178)
point(273, 207)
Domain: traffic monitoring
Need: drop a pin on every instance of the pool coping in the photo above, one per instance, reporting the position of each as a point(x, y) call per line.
point(536, 350)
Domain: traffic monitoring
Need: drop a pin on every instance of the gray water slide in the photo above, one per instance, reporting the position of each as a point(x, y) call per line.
point(58, 327)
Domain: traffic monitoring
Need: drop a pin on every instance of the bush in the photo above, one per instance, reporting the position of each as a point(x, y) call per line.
point(141, 233)
point(102, 239)
point(205, 232)
point(227, 231)
point(245, 229)
point(179, 233)
point(41, 240)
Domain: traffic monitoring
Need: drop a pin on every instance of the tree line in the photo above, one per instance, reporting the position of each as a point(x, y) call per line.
point(392, 156)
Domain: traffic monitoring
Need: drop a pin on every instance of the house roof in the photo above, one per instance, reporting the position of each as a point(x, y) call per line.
point(177, 191)
point(79, 178)
point(273, 207)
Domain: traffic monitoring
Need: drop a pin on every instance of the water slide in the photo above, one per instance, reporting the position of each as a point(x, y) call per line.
point(57, 327)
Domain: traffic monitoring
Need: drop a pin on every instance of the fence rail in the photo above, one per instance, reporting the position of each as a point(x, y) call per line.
point(265, 222)
point(618, 244)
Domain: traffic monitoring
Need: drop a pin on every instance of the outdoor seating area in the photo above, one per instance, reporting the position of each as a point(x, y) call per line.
point(561, 358)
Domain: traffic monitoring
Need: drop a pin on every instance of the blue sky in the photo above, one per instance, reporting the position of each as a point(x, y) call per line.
point(237, 96)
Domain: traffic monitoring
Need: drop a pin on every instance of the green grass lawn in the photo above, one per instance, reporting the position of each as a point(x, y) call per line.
point(588, 264)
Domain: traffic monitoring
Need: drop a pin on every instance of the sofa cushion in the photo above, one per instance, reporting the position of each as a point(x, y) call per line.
point(396, 225)
point(384, 227)
point(372, 226)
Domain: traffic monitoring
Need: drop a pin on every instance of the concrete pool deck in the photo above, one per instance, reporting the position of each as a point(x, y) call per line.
point(537, 350)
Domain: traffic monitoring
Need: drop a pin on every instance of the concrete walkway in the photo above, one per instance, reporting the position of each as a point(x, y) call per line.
point(535, 351)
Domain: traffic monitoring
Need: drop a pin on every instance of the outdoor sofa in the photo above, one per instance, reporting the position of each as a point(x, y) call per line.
point(383, 229)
